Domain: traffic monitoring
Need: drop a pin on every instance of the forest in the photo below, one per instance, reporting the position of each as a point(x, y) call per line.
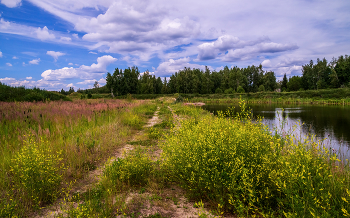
point(319, 75)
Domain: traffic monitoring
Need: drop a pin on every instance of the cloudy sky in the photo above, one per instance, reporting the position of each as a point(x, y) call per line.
point(55, 44)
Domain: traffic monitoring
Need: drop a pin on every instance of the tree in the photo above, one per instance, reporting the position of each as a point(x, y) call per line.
point(284, 83)
point(294, 84)
point(96, 85)
point(269, 81)
point(71, 90)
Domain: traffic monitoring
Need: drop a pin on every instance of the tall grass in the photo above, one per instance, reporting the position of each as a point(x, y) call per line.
point(45, 145)
point(240, 167)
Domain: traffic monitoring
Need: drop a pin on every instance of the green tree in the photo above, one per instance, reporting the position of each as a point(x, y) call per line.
point(294, 83)
point(284, 83)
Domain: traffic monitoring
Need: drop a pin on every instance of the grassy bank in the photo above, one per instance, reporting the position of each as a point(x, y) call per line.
point(326, 96)
point(45, 147)
point(227, 166)
point(339, 96)
point(239, 167)
point(232, 167)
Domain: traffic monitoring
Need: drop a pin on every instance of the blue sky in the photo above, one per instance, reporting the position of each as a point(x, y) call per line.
point(55, 44)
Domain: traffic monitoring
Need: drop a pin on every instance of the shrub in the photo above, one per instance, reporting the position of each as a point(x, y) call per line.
point(133, 170)
point(261, 88)
point(132, 120)
point(37, 173)
point(218, 91)
point(240, 89)
point(229, 91)
point(154, 133)
point(239, 164)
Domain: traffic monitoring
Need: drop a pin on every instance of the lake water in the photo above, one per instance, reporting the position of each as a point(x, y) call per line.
point(328, 123)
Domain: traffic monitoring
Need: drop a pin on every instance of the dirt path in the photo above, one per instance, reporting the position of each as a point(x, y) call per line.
point(167, 201)
point(93, 176)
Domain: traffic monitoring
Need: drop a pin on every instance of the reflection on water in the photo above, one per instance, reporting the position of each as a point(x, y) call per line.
point(328, 123)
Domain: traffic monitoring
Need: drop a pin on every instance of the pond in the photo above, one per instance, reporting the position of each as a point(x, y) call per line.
point(331, 124)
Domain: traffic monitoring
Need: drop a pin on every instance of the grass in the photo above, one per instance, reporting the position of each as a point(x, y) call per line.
point(46, 146)
point(227, 165)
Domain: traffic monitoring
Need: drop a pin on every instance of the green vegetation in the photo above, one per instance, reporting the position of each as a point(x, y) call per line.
point(46, 146)
point(224, 165)
point(10, 94)
point(325, 96)
point(240, 167)
point(252, 79)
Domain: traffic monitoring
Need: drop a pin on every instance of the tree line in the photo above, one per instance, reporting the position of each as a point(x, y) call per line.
point(321, 75)
point(250, 79)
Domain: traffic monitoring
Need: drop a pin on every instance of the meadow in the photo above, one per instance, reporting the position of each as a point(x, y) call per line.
point(46, 146)
point(225, 166)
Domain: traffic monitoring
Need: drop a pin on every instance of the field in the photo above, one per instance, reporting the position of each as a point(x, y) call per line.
point(184, 163)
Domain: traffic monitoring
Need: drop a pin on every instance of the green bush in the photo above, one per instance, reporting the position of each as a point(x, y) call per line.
point(133, 170)
point(218, 91)
point(239, 164)
point(240, 89)
point(37, 173)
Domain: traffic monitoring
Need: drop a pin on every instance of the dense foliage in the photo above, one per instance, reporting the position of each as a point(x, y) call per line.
point(323, 75)
point(250, 79)
point(240, 166)
point(8, 93)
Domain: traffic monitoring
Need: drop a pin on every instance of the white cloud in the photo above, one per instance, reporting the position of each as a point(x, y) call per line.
point(0, 54)
point(91, 52)
point(82, 72)
point(49, 85)
point(34, 61)
point(171, 66)
point(237, 49)
point(9, 64)
point(14, 57)
point(43, 34)
point(266, 63)
point(69, 85)
point(86, 82)
point(66, 39)
point(55, 54)
point(250, 52)
point(70, 64)
point(11, 3)
point(29, 77)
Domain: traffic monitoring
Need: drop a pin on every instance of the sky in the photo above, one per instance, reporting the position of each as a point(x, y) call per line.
point(55, 44)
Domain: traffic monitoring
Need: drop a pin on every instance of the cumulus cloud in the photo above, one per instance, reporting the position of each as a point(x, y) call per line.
point(70, 64)
point(34, 61)
point(14, 57)
point(9, 64)
point(232, 48)
point(29, 77)
point(253, 51)
point(266, 63)
point(12, 3)
point(171, 66)
point(49, 85)
point(55, 54)
point(82, 72)
point(0, 54)
point(43, 34)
